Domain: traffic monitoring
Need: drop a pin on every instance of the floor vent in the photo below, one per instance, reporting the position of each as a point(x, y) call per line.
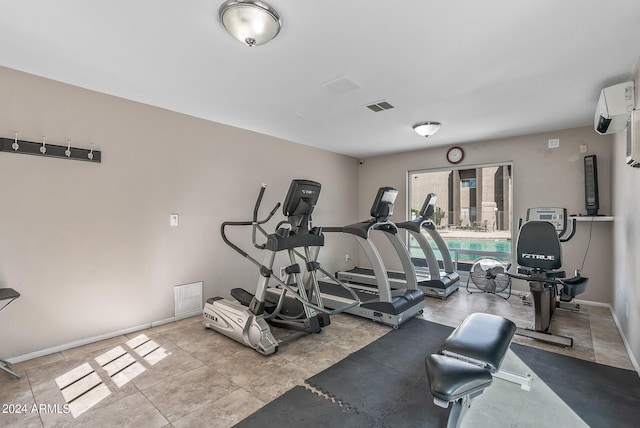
point(188, 298)
point(380, 106)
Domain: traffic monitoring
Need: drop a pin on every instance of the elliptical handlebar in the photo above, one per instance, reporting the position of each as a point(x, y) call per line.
point(254, 222)
point(258, 202)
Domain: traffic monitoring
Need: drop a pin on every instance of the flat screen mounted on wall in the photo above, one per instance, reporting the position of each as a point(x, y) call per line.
point(591, 200)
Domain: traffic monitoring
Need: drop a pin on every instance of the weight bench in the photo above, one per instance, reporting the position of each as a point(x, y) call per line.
point(467, 362)
point(8, 294)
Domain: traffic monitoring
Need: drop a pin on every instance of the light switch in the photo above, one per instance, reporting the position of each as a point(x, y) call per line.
point(173, 219)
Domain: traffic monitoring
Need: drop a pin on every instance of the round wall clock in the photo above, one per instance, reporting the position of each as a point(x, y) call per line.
point(455, 154)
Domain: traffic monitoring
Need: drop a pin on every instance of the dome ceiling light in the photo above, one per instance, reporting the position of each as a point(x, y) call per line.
point(251, 22)
point(426, 129)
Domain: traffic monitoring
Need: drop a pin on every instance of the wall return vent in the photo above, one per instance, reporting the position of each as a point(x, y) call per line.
point(380, 106)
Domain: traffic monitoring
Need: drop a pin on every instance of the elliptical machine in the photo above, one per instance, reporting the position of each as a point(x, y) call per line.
point(287, 303)
point(539, 256)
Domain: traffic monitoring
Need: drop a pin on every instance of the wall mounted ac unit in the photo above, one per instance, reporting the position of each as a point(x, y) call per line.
point(614, 105)
point(633, 139)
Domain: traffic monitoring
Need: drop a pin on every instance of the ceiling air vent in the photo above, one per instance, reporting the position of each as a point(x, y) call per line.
point(379, 106)
point(341, 85)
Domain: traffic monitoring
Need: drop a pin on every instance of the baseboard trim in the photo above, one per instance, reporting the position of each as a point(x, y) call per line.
point(634, 362)
point(89, 340)
point(176, 318)
point(592, 303)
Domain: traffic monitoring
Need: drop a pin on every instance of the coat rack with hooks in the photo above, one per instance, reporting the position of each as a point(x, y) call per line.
point(14, 145)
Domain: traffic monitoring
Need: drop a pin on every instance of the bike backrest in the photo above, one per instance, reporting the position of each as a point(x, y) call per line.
point(539, 246)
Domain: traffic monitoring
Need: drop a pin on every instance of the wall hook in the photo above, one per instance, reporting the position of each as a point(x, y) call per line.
point(15, 146)
point(41, 148)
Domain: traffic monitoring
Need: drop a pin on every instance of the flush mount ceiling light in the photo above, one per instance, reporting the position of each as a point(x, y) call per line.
point(426, 129)
point(251, 22)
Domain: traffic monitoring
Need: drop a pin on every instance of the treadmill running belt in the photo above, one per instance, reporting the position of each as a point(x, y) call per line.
point(367, 271)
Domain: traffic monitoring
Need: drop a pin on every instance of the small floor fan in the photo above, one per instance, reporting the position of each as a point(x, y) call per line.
point(488, 276)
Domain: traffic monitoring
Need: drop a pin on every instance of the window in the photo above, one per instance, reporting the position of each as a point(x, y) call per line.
point(468, 182)
point(473, 211)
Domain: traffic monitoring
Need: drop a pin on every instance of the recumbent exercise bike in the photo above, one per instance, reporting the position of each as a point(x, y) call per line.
point(539, 258)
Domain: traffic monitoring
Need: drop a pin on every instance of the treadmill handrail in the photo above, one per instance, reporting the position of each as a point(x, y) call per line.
point(416, 224)
point(363, 228)
point(414, 227)
point(333, 229)
point(442, 247)
point(427, 251)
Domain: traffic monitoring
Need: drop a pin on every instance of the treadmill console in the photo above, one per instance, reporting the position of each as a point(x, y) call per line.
point(556, 216)
point(382, 207)
point(429, 207)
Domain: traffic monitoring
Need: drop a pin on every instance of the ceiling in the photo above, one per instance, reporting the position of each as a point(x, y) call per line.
point(486, 70)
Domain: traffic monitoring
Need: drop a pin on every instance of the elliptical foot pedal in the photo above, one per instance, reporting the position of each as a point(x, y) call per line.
point(245, 298)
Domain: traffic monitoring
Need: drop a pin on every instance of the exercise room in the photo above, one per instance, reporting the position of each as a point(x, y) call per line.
point(276, 213)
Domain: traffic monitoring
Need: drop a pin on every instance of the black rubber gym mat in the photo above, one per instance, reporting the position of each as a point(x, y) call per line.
point(300, 407)
point(603, 396)
point(385, 385)
point(387, 379)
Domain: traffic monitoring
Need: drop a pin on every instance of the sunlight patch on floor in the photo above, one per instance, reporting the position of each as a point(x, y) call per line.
point(506, 404)
point(83, 387)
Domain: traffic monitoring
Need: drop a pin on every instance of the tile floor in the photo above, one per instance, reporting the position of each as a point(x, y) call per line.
point(182, 375)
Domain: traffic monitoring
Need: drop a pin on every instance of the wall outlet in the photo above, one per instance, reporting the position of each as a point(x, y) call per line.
point(583, 148)
point(554, 143)
point(173, 220)
point(347, 258)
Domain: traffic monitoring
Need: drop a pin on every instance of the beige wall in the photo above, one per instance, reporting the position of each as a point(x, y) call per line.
point(90, 249)
point(89, 246)
point(541, 177)
point(626, 269)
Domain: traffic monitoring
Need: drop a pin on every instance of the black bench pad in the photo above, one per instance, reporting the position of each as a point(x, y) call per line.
point(483, 338)
point(452, 379)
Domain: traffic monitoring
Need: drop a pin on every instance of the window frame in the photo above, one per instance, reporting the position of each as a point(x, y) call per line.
point(456, 253)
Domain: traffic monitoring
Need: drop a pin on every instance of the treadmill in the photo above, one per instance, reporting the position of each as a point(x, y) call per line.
point(431, 281)
point(380, 304)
